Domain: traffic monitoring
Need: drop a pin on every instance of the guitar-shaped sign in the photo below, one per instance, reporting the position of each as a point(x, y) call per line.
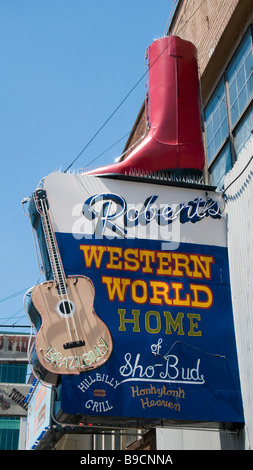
point(70, 337)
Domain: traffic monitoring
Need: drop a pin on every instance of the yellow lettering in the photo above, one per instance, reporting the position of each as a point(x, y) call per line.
point(175, 324)
point(164, 260)
point(141, 298)
point(92, 253)
point(202, 262)
point(131, 263)
point(153, 322)
point(160, 289)
point(148, 256)
point(194, 266)
point(181, 267)
point(178, 286)
point(197, 289)
point(134, 320)
point(116, 286)
point(191, 316)
point(157, 319)
point(114, 255)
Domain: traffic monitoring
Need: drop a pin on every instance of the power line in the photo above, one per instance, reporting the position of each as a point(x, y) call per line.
point(109, 148)
point(14, 315)
point(11, 296)
point(116, 109)
point(238, 176)
point(132, 89)
point(107, 120)
point(15, 326)
point(169, 17)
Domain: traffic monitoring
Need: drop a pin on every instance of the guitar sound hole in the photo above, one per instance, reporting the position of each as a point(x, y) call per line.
point(65, 308)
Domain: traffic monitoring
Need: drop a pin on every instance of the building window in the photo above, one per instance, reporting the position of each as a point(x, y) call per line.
point(9, 433)
point(239, 77)
point(229, 113)
point(243, 131)
point(13, 372)
point(220, 167)
point(216, 122)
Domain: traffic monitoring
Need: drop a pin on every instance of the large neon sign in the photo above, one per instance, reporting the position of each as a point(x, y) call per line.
point(165, 300)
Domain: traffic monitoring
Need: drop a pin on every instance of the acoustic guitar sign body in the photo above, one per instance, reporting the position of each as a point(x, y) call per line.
point(71, 338)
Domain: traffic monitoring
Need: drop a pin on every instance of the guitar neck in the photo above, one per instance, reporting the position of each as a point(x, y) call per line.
point(52, 247)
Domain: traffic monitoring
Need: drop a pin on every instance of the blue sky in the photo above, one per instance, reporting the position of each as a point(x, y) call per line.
point(65, 67)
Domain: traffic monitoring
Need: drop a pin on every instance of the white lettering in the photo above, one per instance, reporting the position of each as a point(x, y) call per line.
point(87, 382)
point(172, 371)
point(98, 406)
point(77, 362)
point(110, 215)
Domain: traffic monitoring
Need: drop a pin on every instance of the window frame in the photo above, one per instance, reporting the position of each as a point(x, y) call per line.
point(230, 138)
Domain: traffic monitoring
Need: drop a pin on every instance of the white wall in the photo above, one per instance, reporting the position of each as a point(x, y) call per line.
point(239, 202)
point(190, 439)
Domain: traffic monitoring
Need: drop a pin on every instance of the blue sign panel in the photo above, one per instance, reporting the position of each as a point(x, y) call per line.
point(165, 299)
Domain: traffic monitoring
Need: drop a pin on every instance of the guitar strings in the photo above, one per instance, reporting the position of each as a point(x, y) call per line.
point(45, 222)
point(54, 268)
